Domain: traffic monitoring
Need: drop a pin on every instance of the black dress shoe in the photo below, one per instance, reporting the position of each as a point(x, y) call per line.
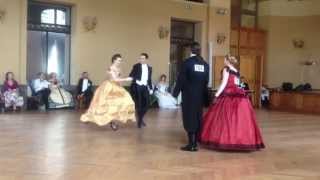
point(189, 148)
point(114, 126)
point(143, 124)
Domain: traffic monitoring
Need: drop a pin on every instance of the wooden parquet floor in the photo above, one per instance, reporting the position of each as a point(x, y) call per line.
point(56, 145)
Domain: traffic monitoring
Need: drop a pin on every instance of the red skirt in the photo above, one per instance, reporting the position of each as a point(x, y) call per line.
point(230, 124)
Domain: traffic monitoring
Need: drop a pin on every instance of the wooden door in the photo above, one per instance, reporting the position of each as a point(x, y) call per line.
point(248, 71)
point(218, 65)
point(249, 44)
point(234, 42)
point(258, 79)
point(251, 70)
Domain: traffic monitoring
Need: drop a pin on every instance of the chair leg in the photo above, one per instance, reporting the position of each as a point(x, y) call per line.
point(80, 103)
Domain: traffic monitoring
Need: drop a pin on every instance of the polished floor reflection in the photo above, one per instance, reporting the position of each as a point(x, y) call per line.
point(56, 145)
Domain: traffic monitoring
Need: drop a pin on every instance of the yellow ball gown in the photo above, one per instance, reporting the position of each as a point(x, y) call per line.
point(111, 102)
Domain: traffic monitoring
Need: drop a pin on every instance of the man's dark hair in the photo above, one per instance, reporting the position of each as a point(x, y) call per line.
point(195, 48)
point(115, 57)
point(145, 55)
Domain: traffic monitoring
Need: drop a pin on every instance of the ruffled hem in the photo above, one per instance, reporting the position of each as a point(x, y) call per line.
point(102, 121)
point(233, 147)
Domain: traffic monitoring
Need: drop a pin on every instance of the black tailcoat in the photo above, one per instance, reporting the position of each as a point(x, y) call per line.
point(193, 83)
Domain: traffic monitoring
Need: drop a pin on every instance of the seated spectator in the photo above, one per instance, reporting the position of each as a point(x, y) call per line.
point(84, 89)
point(11, 93)
point(244, 84)
point(41, 88)
point(59, 97)
point(165, 99)
point(265, 96)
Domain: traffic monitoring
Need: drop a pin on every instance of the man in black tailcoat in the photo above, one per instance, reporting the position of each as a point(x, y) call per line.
point(84, 89)
point(141, 87)
point(192, 82)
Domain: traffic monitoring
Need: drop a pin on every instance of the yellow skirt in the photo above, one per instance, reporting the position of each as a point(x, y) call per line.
point(111, 102)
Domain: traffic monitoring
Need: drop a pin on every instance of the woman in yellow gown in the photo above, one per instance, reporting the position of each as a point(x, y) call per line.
point(111, 102)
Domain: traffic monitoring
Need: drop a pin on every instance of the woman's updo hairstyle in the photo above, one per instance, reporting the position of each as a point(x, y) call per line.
point(232, 60)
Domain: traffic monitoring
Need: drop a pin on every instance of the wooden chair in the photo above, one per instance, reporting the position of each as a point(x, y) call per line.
point(80, 102)
point(33, 102)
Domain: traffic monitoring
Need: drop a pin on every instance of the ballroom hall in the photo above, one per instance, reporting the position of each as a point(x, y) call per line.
point(69, 108)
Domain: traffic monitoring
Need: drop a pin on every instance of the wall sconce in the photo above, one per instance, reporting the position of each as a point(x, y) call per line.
point(2, 15)
point(89, 23)
point(221, 11)
point(163, 32)
point(309, 63)
point(221, 38)
point(298, 43)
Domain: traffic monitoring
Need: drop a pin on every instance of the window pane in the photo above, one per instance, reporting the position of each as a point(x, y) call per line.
point(250, 5)
point(58, 55)
point(36, 54)
point(248, 21)
point(61, 17)
point(47, 16)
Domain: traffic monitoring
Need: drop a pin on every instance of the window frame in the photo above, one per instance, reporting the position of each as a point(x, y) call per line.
point(38, 25)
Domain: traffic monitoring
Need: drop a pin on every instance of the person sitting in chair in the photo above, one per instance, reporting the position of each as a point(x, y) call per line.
point(41, 88)
point(84, 89)
point(11, 92)
point(165, 99)
point(244, 84)
point(59, 97)
point(265, 96)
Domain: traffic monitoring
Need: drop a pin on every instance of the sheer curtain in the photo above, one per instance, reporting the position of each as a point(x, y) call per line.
point(48, 52)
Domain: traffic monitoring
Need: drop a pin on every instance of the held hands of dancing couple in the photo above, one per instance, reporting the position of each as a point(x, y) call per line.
point(114, 75)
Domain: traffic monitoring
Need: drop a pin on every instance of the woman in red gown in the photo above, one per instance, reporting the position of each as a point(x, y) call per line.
point(230, 122)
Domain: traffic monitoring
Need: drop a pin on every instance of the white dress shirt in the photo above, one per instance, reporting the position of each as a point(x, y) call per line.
point(144, 76)
point(39, 85)
point(85, 85)
point(265, 94)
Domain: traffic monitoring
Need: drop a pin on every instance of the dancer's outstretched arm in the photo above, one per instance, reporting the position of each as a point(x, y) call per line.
point(114, 77)
point(128, 79)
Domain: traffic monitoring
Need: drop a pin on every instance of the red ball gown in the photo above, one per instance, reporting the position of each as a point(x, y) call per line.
point(230, 123)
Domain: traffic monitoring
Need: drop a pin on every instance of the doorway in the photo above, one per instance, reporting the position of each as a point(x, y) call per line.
point(182, 35)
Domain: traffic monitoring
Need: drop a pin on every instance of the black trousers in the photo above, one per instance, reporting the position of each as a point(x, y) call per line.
point(87, 97)
point(140, 96)
point(191, 113)
point(44, 94)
